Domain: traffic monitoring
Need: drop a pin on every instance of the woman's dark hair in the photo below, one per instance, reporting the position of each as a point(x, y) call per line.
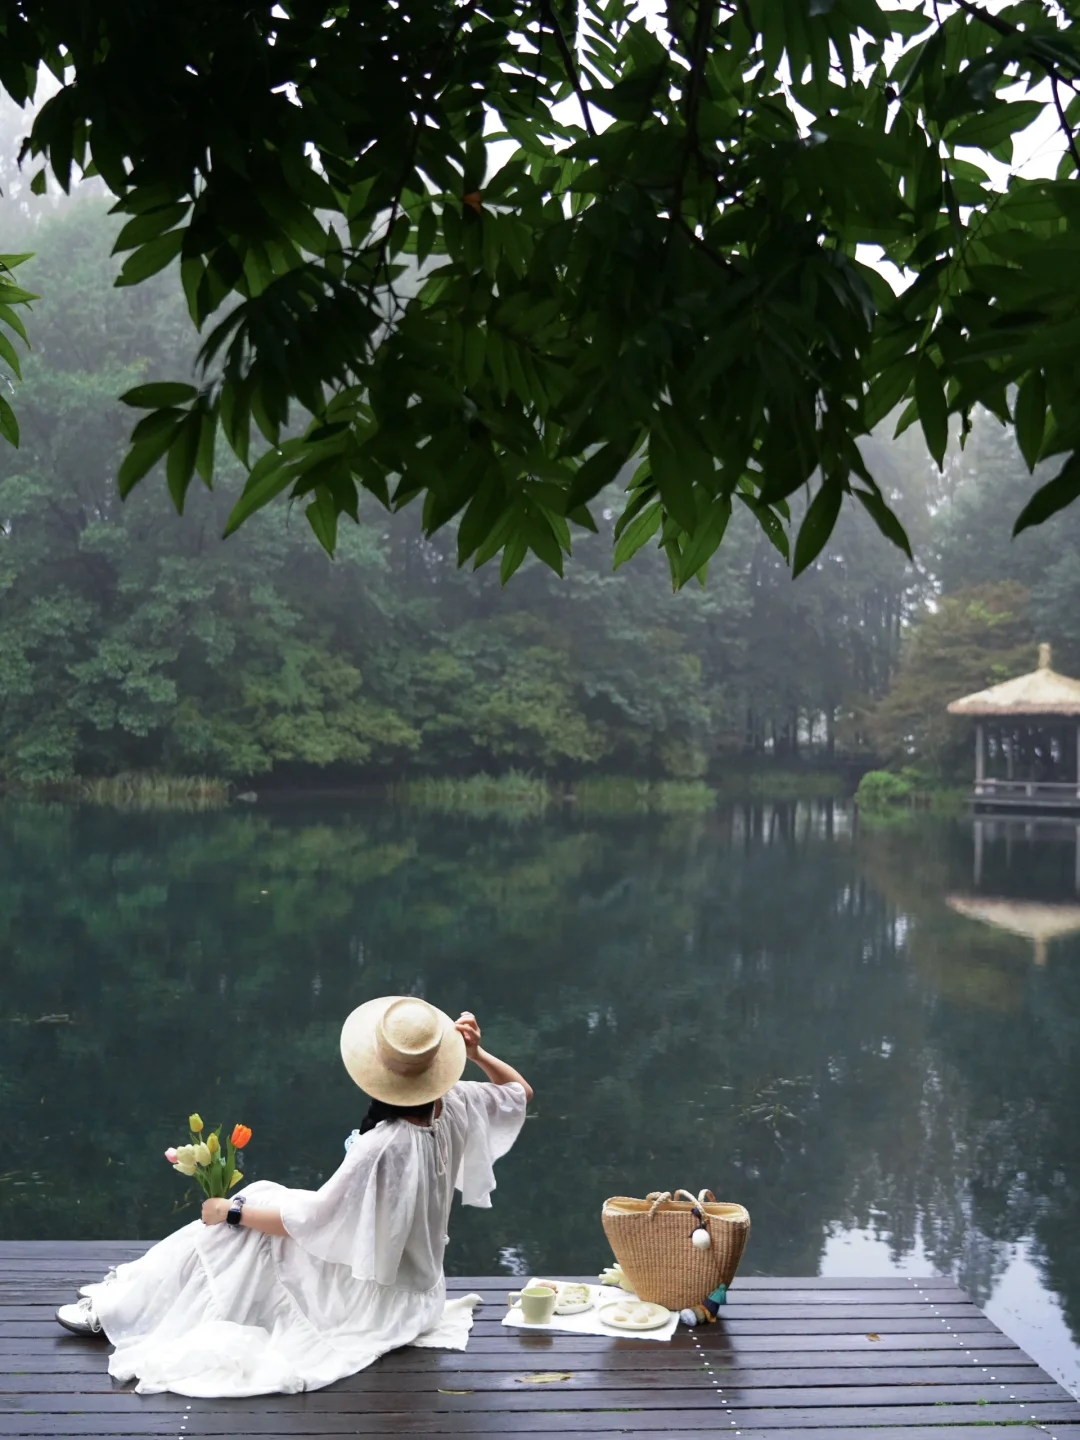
point(380, 1110)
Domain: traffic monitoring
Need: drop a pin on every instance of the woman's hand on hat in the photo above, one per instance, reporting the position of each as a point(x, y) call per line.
point(469, 1031)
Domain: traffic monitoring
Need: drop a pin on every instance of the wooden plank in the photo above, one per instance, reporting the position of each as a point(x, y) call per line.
point(719, 1341)
point(916, 1432)
point(28, 1321)
point(489, 1323)
point(558, 1398)
point(23, 1259)
point(378, 1379)
point(493, 1309)
point(53, 1291)
point(242, 1422)
point(86, 1360)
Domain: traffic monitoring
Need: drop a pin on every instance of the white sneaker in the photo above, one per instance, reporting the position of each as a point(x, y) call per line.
point(79, 1318)
point(86, 1292)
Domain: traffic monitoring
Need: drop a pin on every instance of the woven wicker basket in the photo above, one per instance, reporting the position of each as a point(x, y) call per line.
point(651, 1241)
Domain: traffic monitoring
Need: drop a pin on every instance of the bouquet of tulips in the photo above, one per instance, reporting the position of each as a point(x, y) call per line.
point(213, 1167)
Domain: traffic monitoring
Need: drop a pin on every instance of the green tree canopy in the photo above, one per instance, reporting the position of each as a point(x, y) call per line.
point(492, 254)
point(972, 639)
point(133, 639)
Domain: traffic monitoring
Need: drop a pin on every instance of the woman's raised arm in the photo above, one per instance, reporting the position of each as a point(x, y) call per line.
point(497, 1071)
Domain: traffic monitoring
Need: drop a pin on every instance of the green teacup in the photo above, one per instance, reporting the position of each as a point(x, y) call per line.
point(537, 1303)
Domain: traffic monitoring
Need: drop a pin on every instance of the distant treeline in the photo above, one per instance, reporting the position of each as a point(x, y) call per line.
point(135, 640)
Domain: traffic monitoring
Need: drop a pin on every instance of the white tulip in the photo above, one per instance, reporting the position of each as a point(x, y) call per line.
point(185, 1154)
point(185, 1167)
point(202, 1153)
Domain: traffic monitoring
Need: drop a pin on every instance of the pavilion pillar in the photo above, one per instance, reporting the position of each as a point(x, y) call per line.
point(980, 755)
point(979, 851)
point(1078, 759)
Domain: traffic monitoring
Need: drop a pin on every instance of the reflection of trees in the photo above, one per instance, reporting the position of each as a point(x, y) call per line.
point(728, 1001)
point(1004, 1036)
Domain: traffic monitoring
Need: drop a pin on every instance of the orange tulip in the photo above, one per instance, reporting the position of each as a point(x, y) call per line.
point(240, 1136)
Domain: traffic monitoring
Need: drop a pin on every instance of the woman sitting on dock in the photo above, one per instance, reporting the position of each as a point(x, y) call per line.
point(285, 1290)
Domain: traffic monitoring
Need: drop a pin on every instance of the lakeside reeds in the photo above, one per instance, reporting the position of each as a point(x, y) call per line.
point(514, 795)
point(519, 795)
point(151, 792)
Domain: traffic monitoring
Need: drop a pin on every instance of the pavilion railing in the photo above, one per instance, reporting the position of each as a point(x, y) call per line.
point(1017, 791)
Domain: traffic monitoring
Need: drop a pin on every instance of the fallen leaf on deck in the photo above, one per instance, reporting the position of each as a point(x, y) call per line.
point(552, 1377)
point(873, 1337)
point(457, 1392)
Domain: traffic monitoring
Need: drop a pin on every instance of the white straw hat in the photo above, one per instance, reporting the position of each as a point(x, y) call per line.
point(402, 1050)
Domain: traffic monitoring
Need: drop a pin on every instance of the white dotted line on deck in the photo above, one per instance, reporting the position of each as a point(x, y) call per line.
point(974, 1358)
point(708, 1366)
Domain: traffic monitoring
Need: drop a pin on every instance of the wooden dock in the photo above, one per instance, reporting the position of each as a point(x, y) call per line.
point(894, 1359)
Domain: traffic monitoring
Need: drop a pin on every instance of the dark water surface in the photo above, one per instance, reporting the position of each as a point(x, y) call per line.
point(760, 1001)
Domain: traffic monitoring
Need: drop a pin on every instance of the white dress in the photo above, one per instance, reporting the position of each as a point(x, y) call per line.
point(220, 1311)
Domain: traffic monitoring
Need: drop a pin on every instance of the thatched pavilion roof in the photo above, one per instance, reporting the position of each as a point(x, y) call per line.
point(1042, 692)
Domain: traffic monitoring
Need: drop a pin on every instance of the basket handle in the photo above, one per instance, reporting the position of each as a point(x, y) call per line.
point(659, 1196)
point(707, 1195)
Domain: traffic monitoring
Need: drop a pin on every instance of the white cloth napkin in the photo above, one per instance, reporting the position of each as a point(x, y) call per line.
point(588, 1322)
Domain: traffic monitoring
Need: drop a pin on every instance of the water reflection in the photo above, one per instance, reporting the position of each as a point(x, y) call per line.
point(762, 1000)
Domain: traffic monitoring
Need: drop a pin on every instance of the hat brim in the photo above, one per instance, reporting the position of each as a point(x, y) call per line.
point(359, 1052)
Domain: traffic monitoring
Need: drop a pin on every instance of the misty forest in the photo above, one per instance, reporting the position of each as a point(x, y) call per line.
point(134, 639)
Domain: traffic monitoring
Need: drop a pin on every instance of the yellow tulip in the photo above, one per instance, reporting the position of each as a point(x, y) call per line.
point(202, 1154)
point(195, 1123)
point(236, 1178)
point(213, 1144)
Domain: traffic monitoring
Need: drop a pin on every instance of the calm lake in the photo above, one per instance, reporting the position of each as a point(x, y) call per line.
point(768, 1001)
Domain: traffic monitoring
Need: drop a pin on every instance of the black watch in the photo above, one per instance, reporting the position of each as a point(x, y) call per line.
point(233, 1217)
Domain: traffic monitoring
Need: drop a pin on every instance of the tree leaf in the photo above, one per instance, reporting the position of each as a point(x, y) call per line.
point(933, 410)
point(204, 458)
point(142, 457)
point(10, 317)
point(884, 519)
point(598, 470)
point(888, 389)
point(1029, 417)
point(149, 226)
point(513, 554)
point(259, 491)
point(322, 516)
point(704, 542)
point(180, 466)
point(9, 426)
point(1051, 497)
point(998, 123)
point(7, 352)
point(817, 525)
point(159, 395)
point(151, 258)
point(638, 533)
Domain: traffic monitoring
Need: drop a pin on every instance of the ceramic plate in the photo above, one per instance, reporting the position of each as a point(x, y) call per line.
point(634, 1315)
point(571, 1306)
